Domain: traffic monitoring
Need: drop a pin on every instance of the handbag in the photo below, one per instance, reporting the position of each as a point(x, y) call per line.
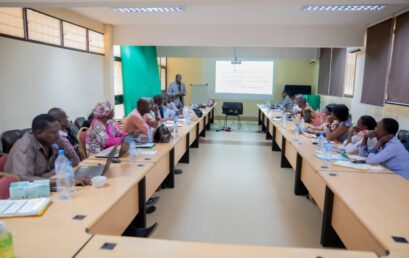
point(198, 112)
point(162, 134)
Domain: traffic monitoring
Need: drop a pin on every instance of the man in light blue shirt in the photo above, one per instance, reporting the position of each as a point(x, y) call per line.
point(177, 90)
point(388, 151)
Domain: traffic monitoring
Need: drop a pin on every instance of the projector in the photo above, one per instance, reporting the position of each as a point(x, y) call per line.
point(235, 62)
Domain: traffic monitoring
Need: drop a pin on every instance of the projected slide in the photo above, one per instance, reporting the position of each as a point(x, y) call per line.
point(249, 77)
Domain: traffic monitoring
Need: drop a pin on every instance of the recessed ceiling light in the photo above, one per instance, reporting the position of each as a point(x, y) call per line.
point(345, 8)
point(167, 9)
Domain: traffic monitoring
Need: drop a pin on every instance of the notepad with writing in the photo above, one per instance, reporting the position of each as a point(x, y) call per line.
point(21, 208)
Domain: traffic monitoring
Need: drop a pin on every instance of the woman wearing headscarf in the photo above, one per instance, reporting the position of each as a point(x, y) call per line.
point(103, 132)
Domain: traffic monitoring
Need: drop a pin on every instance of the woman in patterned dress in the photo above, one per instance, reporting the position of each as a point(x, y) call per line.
point(103, 132)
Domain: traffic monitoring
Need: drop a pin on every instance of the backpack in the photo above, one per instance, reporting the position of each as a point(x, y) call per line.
point(162, 134)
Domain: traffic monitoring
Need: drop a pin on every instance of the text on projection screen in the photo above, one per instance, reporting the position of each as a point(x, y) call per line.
point(249, 77)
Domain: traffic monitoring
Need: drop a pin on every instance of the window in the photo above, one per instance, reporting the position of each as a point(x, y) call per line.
point(11, 22)
point(118, 84)
point(43, 28)
point(350, 69)
point(96, 42)
point(162, 61)
point(74, 36)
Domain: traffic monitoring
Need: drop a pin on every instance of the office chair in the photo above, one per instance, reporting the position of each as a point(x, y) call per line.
point(8, 138)
point(232, 109)
point(403, 136)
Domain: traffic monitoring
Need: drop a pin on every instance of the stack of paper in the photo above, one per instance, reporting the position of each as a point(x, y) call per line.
point(19, 208)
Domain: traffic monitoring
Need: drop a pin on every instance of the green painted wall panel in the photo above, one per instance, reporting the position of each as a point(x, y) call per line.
point(140, 74)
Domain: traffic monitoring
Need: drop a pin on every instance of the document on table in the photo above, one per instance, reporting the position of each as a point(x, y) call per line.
point(18, 208)
point(145, 145)
point(359, 166)
point(148, 153)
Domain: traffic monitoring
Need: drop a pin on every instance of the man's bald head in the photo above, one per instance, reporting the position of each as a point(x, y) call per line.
point(143, 105)
point(59, 115)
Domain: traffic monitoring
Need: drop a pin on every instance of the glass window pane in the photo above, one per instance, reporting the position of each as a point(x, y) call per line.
point(163, 78)
point(118, 88)
point(119, 111)
point(96, 42)
point(43, 28)
point(163, 61)
point(74, 36)
point(117, 51)
point(11, 22)
point(350, 74)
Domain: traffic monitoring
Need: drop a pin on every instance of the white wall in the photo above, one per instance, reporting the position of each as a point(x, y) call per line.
point(242, 52)
point(35, 78)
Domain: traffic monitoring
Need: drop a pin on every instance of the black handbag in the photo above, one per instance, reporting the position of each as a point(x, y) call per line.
point(198, 112)
point(162, 134)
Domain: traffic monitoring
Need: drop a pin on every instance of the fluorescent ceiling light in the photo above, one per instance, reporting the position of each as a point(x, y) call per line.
point(166, 9)
point(347, 8)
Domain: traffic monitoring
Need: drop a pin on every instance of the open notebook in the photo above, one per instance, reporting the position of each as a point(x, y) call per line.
point(21, 208)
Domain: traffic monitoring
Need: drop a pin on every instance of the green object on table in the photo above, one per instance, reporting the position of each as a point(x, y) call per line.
point(314, 101)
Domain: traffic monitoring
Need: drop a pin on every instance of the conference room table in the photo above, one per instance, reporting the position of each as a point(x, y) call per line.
point(362, 209)
point(91, 223)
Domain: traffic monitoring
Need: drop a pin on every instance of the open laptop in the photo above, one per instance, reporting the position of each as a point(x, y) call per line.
point(121, 152)
point(96, 170)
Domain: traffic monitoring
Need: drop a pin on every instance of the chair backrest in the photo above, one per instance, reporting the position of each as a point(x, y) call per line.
point(3, 160)
point(5, 182)
point(82, 134)
point(79, 121)
point(8, 138)
point(403, 136)
point(25, 130)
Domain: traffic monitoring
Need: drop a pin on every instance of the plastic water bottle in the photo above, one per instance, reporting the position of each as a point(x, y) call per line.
point(132, 150)
point(6, 242)
point(302, 123)
point(61, 164)
point(327, 153)
point(70, 179)
point(321, 142)
point(150, 134)
point(175, 124)
point(283, 119)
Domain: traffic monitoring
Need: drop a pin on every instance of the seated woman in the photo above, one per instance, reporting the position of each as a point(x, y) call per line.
point(356, 133)
point(340, 131)
point(329, 119)
point(388, 150)
point(103, 132)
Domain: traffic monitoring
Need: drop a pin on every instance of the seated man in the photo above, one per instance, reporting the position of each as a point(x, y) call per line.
point(303, 108)
point(388, 150)
point(288, 101)
point(69, 151)
point(32, 156)
point(152, 118)
point(134, 121)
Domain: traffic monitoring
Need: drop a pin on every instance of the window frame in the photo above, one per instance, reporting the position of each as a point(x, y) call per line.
point(26, 38)
point(165, 67)
point(86, 36)
point(88, 30)
point(354, 80)
point(120, 98)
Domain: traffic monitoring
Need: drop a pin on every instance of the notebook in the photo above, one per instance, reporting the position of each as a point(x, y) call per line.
point(22, 208)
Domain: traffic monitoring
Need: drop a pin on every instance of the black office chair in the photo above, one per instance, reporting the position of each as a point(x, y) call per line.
point(8, 138)
point(79, 122)
point(232, 109)
point(403, 136)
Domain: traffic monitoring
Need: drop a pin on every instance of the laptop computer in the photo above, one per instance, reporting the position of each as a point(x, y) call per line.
point(119, 153)
point(96, 170)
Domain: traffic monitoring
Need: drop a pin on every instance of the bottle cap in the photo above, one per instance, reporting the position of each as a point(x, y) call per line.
point(60, 152)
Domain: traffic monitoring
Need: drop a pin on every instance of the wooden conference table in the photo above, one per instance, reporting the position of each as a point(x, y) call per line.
point(91, 223)
point(362, 210)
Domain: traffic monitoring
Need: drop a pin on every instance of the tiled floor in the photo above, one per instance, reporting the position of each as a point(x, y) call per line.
point(234, 191)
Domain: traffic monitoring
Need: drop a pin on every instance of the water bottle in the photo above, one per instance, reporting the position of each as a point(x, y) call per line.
point(327, 153)
point(61, 164)
point(150, 134)
point(321, 142)
point(283, 119)
point(302, 123)
point(6, 242)
point(132, 150)
point(175, 124)
point(70, 179)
